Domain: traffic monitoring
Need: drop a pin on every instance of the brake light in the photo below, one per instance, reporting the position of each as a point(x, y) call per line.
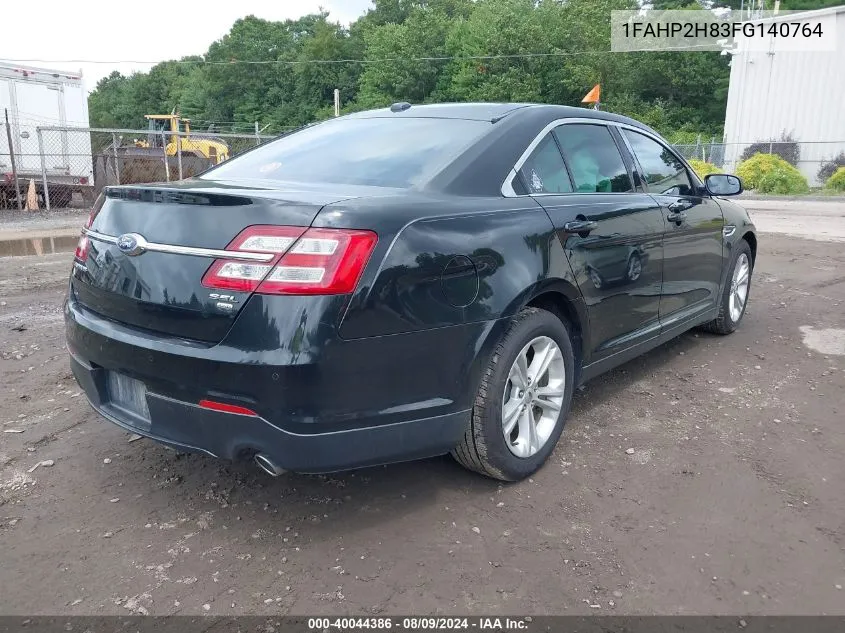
point(83, 244)
point(306, 261)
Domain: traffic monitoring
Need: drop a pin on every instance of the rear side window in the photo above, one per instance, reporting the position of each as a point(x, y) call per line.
point(387, 152)
point(593, 159)
point(544, 171)
point(663, 172)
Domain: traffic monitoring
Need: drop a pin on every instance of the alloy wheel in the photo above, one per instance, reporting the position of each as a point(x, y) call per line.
point(533, 396)
point(739, 287)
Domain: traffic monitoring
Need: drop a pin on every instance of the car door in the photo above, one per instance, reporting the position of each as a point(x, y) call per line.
point(611, 233)
point(692, 246)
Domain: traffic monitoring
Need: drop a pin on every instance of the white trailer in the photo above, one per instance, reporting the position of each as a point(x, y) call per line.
point(41, 97)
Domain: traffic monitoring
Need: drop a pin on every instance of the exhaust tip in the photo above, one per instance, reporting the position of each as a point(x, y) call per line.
point(268, 465)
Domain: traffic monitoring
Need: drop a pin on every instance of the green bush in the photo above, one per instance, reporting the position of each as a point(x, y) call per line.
point(753, 169)
point(829, 167)
point(703, 168)
point(837, 181)
point(787, 148)
point(783, 180)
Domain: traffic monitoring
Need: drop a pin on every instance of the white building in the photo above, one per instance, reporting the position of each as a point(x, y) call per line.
point(801, 93)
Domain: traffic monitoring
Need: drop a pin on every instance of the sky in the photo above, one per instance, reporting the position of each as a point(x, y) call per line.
point(102, 30)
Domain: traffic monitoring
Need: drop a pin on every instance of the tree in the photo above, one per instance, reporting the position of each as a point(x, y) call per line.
point(111, 103)
point(393, 70)
point(499, 30)
point(316, 82)
point(550, 51)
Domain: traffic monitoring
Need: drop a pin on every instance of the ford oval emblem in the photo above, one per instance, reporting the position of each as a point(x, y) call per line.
point(131, 244)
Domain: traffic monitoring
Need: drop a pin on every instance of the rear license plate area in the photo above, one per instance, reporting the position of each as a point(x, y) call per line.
point(129, 396)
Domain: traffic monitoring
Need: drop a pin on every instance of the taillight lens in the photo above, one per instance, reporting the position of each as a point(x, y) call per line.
point(81, 252)
point(306, 262)
point(82, 245)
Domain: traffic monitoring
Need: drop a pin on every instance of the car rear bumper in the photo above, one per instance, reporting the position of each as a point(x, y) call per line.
point(362, 405)
point(188, 427)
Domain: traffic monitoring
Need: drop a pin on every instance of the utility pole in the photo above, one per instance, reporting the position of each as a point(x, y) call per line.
point(12, 156)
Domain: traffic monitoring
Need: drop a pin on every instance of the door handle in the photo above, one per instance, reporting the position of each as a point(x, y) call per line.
point(680, 205)
point(580, 226)
point(676, 211)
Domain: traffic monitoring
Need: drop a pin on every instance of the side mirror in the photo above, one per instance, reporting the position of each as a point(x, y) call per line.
point(722, 185)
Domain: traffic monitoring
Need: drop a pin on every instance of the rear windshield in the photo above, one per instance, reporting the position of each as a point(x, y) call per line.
point(386, 152)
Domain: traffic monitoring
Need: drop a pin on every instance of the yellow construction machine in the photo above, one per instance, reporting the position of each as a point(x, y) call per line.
point(155, 157)
point(215, 150)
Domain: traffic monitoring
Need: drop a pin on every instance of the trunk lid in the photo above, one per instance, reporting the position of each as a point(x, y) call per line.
point(163, 292)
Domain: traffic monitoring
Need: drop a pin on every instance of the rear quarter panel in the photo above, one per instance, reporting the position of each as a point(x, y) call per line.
point(449, 261)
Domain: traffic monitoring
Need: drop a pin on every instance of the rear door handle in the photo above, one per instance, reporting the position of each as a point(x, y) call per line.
point(580, 226)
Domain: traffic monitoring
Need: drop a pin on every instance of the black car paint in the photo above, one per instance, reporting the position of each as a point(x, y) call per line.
point(390, 371)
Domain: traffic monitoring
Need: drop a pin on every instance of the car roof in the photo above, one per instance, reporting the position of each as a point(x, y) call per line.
point(492, 112)
point(472, 111)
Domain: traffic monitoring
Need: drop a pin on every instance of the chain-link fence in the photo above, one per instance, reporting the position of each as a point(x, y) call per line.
point(813, 159)
point(69, 166)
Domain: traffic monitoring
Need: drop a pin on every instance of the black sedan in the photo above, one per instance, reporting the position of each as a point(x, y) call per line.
point(398, 284)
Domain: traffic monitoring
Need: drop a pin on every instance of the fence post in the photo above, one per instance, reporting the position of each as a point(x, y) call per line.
point(257, 135)
point(179, 152)
point(116, 159)
point(770, 147)
point(164, 152)
point(12, 159)
point(43, 158)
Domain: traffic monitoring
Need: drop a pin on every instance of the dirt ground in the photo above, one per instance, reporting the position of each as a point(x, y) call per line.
point(731, 502)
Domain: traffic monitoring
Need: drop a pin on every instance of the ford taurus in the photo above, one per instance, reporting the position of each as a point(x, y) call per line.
point(398, 284)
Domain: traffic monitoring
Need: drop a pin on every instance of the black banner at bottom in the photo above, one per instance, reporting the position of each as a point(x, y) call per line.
point(515, 623)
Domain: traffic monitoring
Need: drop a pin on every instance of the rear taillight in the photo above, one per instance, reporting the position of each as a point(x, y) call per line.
point(305, 262)
point(82, 245)
point(81, 252)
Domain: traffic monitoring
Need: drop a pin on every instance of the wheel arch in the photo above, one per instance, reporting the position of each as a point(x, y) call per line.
point(751, 238)
point(564, 301)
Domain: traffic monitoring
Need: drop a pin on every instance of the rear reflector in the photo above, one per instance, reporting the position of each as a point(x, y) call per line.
point(307, 262)
point(226, 408)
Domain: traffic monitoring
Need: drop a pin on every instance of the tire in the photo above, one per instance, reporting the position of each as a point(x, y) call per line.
point(484, 448)
point(727, 321)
